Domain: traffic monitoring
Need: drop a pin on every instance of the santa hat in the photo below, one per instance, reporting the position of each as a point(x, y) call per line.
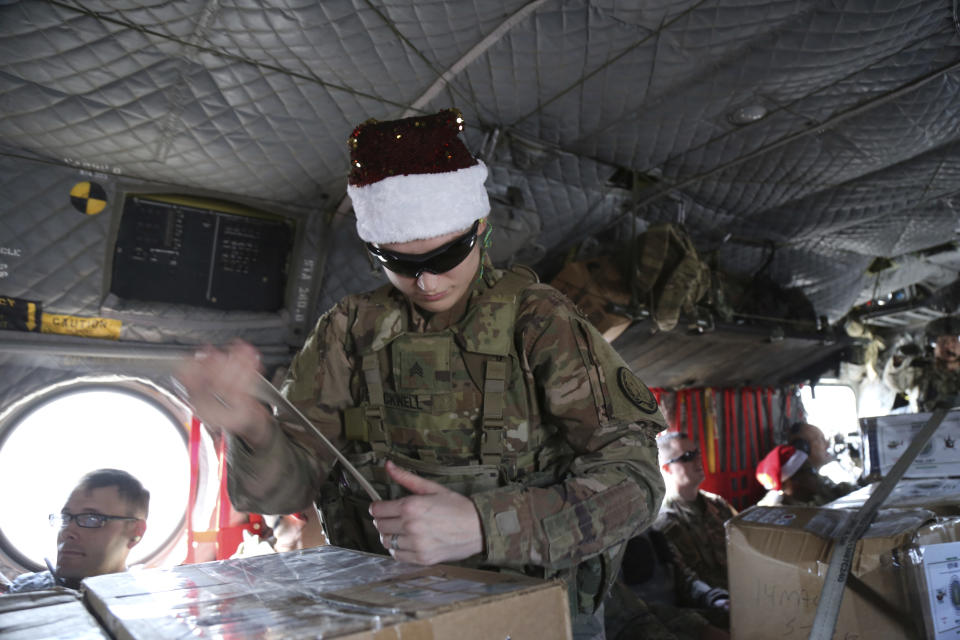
point(414, 178)
point(778, 465)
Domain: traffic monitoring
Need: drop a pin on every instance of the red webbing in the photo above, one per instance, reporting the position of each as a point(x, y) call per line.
point(194, 450)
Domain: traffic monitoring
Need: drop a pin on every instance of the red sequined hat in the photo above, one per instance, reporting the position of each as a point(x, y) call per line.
point(414, 178)
point(778, 465)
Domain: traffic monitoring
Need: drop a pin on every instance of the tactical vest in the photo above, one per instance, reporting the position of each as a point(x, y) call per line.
point(453, 405)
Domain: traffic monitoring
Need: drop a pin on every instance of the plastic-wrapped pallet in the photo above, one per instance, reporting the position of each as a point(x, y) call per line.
point(56, 613)
point(326, 592)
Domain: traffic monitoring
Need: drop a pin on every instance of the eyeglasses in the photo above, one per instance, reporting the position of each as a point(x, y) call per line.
point(440, 260)
point(687, 456)
point(85, 520)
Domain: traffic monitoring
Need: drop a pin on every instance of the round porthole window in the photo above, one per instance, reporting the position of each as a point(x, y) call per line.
point(60, 437)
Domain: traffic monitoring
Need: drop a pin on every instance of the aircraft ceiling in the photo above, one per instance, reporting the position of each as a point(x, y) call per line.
point(801, 140)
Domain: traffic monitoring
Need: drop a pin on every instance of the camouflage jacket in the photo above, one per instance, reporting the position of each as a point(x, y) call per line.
point(695, 533)
point(574, 474)
point(826, 491)
point(628, 617)
point(937, 384)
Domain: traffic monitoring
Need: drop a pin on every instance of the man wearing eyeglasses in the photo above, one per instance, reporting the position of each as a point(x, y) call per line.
point(102, 520)
point(503, 430)
point(691, 519)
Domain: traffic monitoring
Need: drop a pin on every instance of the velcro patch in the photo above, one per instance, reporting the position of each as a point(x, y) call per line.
point(508, 522)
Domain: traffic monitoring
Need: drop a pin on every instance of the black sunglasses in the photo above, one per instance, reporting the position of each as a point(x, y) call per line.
point(687, 456)
point(440, 260)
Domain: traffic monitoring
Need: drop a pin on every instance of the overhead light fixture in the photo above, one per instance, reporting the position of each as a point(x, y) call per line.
point(747, 114)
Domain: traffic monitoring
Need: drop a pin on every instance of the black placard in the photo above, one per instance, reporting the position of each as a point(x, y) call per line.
point(177, 253)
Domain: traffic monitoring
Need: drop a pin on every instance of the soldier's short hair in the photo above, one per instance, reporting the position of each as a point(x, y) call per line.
point(945, 326)
point(796, 428)
point(129, 488)
point(664, 440)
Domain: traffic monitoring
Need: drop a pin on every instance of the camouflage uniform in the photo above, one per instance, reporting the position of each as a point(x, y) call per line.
point(827, 491)
point(937, 383)
point(565, 469)
point(696, 534)
point(629, 617)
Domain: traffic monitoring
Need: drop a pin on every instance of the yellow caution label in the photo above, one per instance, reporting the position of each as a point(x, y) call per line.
point(84, 327)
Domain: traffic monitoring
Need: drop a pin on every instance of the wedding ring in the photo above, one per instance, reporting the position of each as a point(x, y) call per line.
point(395, 542)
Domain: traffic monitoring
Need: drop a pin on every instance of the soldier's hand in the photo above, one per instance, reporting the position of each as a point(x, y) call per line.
point(218, 384)
point(433, 525)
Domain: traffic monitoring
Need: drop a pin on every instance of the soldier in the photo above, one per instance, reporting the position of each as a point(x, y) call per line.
point(936, 380)
point(504, 430)
point(691, 520)
point(787, 477)
point(810, 439)
point(102, 520)
point(940, 380)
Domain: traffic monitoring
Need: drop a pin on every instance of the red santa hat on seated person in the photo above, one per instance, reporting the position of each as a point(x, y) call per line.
point(414, 178)
point(778, 465)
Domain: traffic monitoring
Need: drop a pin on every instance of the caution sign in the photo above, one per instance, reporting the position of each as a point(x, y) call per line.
point(88, 198)
point(83, 327)
point(19, 315)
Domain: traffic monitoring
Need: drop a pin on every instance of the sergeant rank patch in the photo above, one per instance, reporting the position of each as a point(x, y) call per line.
point(636, 391)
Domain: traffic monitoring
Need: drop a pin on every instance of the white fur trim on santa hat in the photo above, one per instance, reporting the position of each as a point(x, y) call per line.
point(792, 465)
point(420, 205)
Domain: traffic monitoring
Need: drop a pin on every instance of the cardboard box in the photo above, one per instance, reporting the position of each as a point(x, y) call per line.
point(940, 495)
point(778, 557)
point(57, 613)
point(327, 592)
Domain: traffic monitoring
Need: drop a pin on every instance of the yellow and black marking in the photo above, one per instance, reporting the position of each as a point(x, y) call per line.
point(88, 198)
point(17, 314)
point(107, 328)
point(636, 391)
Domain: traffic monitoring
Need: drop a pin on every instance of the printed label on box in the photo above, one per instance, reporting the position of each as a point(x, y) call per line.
point(941, 567)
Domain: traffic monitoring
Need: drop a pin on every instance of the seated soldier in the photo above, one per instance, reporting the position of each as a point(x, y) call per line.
point(656, 596)
point(692, 520)
point(810, 439)
point(660, 592)
point(787, 477)
point(104, 517)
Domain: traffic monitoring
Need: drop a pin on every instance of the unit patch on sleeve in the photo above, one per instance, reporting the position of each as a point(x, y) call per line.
point(636, 391)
